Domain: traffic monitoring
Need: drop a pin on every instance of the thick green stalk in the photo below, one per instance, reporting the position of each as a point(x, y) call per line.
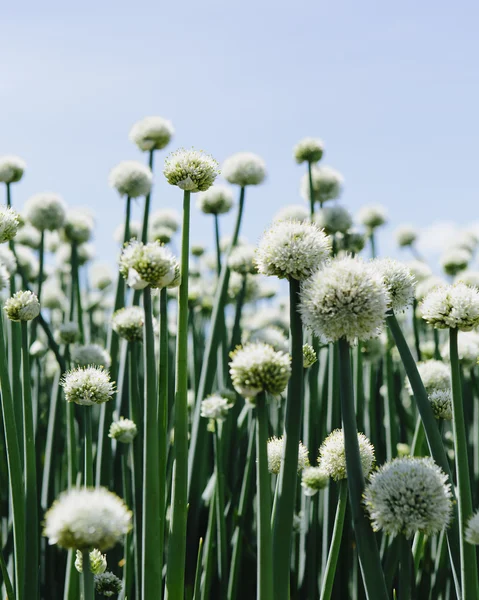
point(284, 509)
point(151, 561)
point(328, 581)
point(433, 437)
point(9, 195)
point(47, 480)
point(415, 326)
point(405, 578)
point(220, 510)
point(175, 573)
point(146, 214)
point(372, 241)
point(469, 579)
point(373, 577)
point(208, 560)
point(88, 587)
point(311, 190)
point(236, 332)
point(197, 586)
point(6, 578)
point(31, 506)
point(390, 408)
point(88, 448)
point(14, 469)
point(263, 496)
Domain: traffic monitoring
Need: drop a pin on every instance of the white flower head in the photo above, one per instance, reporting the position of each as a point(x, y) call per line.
point(399, 282)
point(7, 259)
point(427, 285)
point(271, 335)
point(78, 226)
point(191, 170)
point(131, 178)
point(88, 386)
point(9, 223)
point(406, 235)
point(217, 200)
point(87, 518)
point(472, 530)
point(308, 150)
point(244, 168)
point(347, 298)
point(97, 561)
point(128, 323)
point(166, 217)
point(4, 277)
point(309, 356)
point(11, 169)
point(27, 261)
point(453, 306)
point(257, 367)
point(332, 455)
point(236, 283)
point(147, 264)
point(22, 306)
point(435, 375)
point(216, 407)
point(123, 430)
point(313, 479)
point(455, 260)
point(469, 277)
point(134, 232)
point(467, 348)
point(292, 212)
point(45, 211)
point(152, 133)
point(292, 249)
point(90, 354)
point(441, 403)
point(372, 216)
point(327, 184)
point(276, 448)
point(67, 333)
point(334, 219)
point(409, 495)
point(419, 269)
point(28, 235)
point(101, 276)
point(241, 260)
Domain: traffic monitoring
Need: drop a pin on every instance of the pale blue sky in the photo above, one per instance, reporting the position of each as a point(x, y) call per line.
point(391, 88)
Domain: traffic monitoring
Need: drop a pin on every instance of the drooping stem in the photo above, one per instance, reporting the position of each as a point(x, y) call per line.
point(31, 507)
point(469, 580)
point(284, 506)
point(146, 214)
point(177, 548)
point(328, 581)
point(264, 558)
point(368, 553)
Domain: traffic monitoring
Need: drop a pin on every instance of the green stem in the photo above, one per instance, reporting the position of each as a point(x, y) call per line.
point(405, 569)
point(6, 577)
point(372, 241)
point(236, 332)
point(88, 587)
point(264, 558)
point(433, 436)
point(151, 561)
point(284, 510)
point(41, 260)
point(469, 580)
point(88, 449)
point(328, 581)
point(311, 190)
point(9, 195)
point(390, 408)
point(14, 468)
point(220, 510)
point(368, 553)
point(146, 214)
point(437, 351)
point(217, 240)
point(31, 507)
point(175, 574)
point(197, 586)
point(415, 326)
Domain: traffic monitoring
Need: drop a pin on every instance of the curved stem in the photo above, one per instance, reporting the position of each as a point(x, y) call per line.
point(328, 581)
point(468, 551)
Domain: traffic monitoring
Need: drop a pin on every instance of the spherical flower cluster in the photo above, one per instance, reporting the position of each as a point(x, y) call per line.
point(327, 184)
point(427, 285)
point(108, 584)
point(309, 356)
point(9, 223)
point(87, 518)
point(332, 455)
point(276, 448)
point(128, 323)
point(472, 529)
point(334, 219)
point(160, 234)
point(67, 333)
point(123, 430)
point(419, 269)
point(217, 200)
point(406, 235)
point(100, 276)
point(469, 277)
point(244, 168)
point(257, 367)
point(166, 217)
point(28, 236)
point(435, 375)
point(467, 348)
point(151, 133)
point(38, 348)
point(236, 283)
point(441, 403)
point(191, 170)
point(399, 282)
point(216, 407)
point(27, 262)
point(147, 264)
point(292, 249)
point(11, 169)
point(22, 306)
point(271, 335)
point(292, 212)
point(4, 277)
point(409, 495)
point(97, 561)
point(45, 211)
point(87, 386)
point(131, 178)
point(78, 226)
point(347, 299)
point(134, 232)
point(308, 150)
point(372, 216)
point(351, 242)
point(313, 479)
point(455, 260)
point(454, 306)
point(8, 260)
point(90, 354)
point(241, 260)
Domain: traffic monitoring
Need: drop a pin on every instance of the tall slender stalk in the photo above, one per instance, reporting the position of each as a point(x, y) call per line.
point(311, 190)
point(405, 579)
point(217, 241)
point(177, 544)
point(265, 550)
point(368, 553)
point(88, 589)
point(31, 506)
point(88, 448)
point(284, 509)
point(220, 510)
point(469, 579)
point(146, 213)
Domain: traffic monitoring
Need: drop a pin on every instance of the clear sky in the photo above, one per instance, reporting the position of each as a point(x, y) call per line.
point(391, 88)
